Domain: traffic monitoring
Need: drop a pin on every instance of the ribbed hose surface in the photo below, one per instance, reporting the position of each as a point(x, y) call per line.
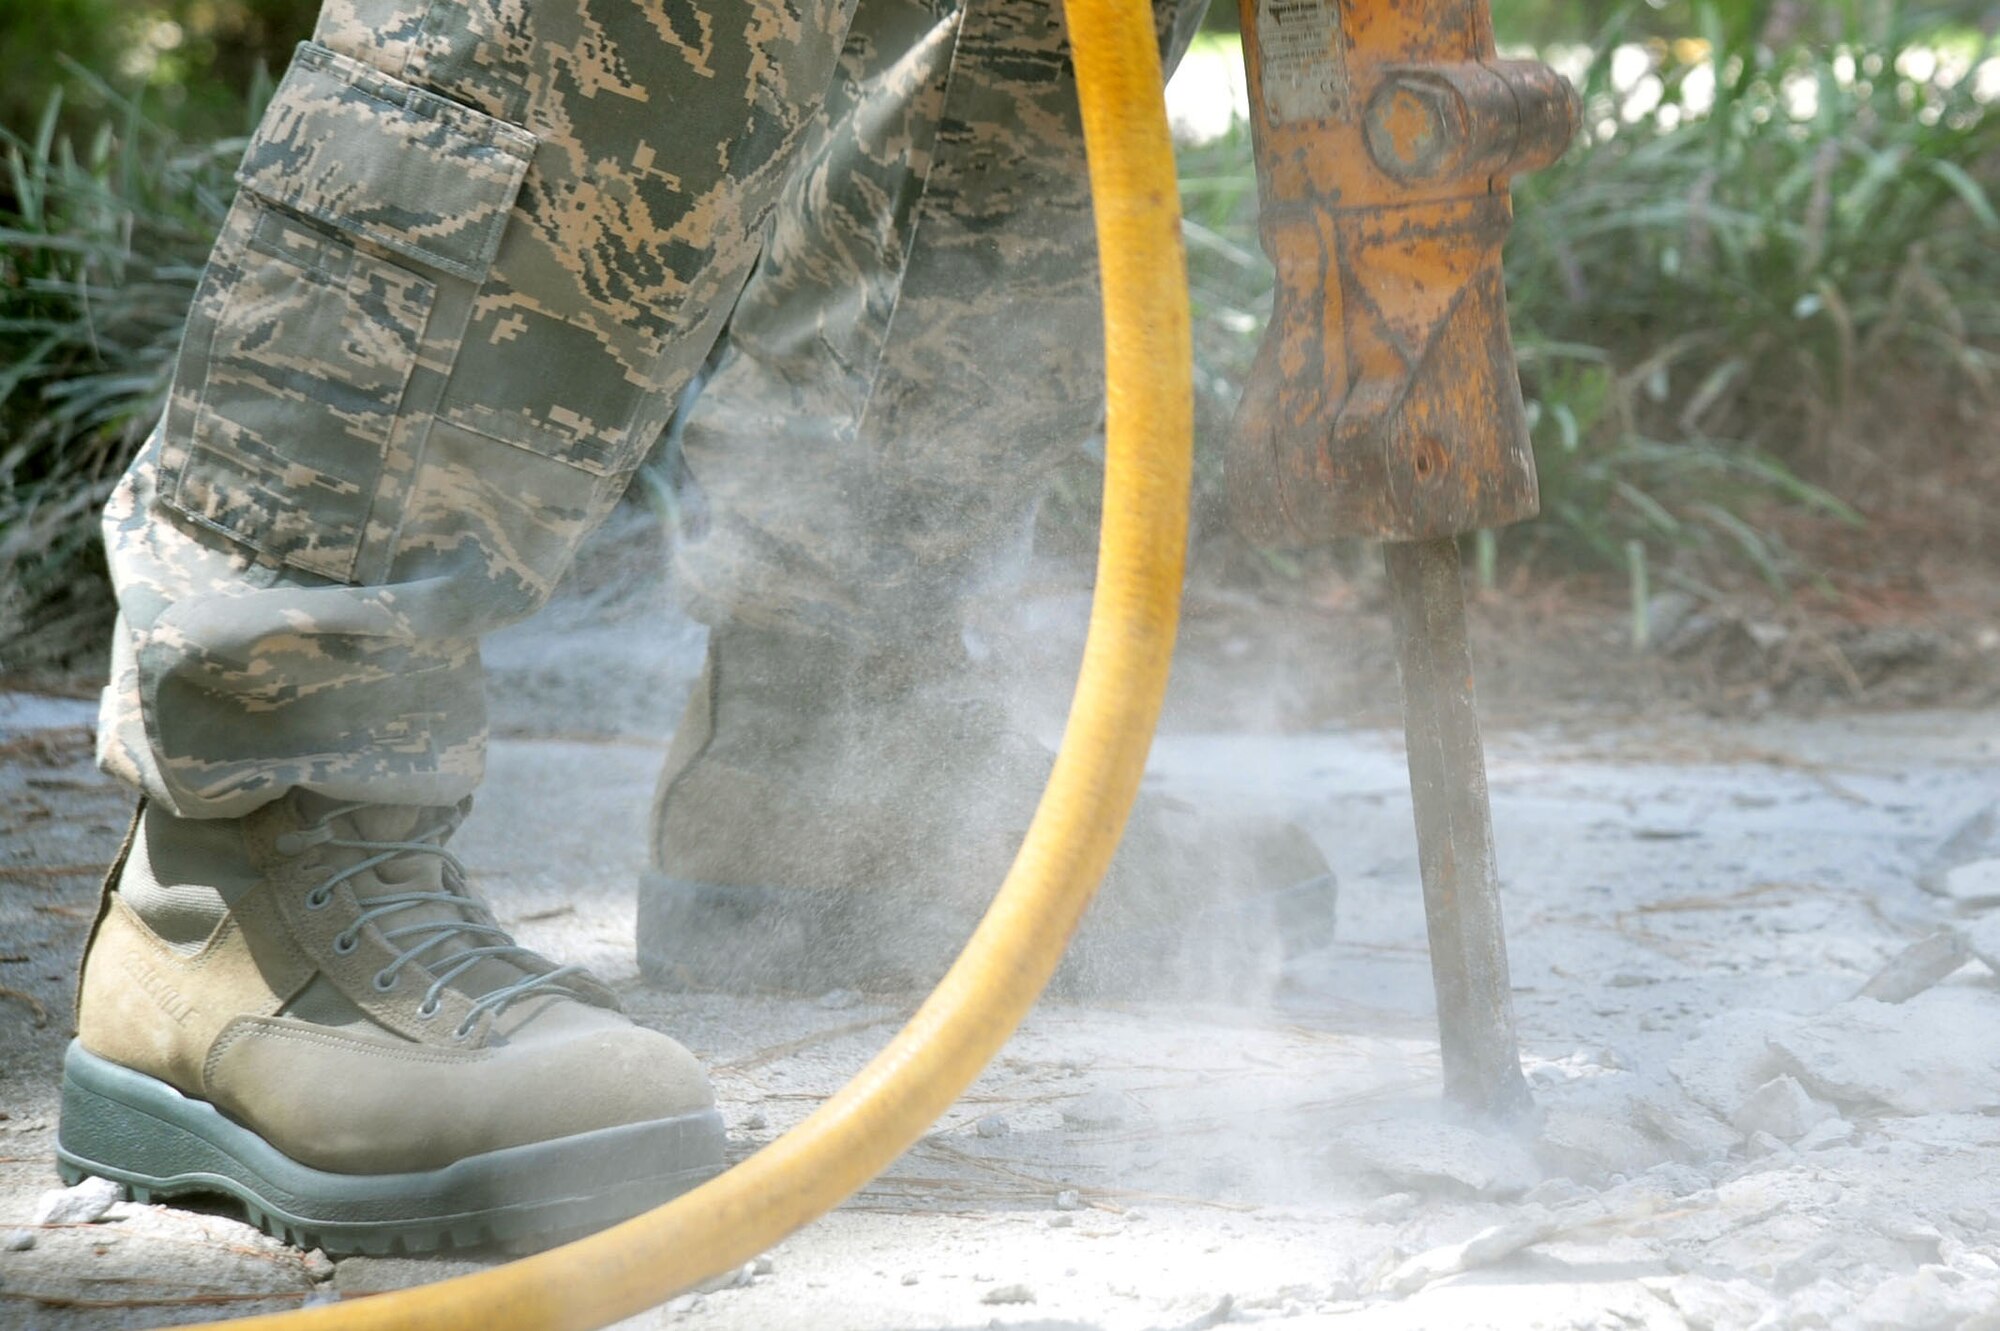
point(895, 1099)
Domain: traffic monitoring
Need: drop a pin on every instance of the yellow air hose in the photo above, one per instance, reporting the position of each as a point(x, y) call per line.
point(983, 998)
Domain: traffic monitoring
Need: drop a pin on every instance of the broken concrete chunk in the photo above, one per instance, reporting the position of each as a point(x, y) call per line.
point(1706, 1302)
point(85, 1204)
point(1099, 1109)
point(17, 1240)
point(1008, 1294)
point(1488, 1246)
point(1674, 1180)
point(1430, 1154)
point(1832, 1132)
point(1968, 883)
point(1695, 1131)
point(1782, 1108)
point(1221, 1314)
point(1929, 1296)
point(1594, 1148)
point(1554, 1192)
point(1939, 1053)
point(1967, 1260)
point(1762, 1144)
point(1982, 939)
point(1729, 1058)
point(992, 1125)
point(1388, 1210)
point(1919, 966)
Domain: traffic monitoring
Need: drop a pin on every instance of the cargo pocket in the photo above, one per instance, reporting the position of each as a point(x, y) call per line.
point(364, 200)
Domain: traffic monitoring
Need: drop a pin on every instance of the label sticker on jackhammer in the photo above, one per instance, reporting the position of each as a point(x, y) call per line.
point(1304, 59)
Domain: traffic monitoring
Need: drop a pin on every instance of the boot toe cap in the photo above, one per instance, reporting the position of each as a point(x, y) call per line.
point(349, 1105)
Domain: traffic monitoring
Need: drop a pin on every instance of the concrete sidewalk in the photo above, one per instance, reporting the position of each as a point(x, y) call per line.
point(1729, 1138)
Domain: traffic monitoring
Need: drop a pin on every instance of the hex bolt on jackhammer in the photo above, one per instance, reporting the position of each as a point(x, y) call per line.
point(1385, 404)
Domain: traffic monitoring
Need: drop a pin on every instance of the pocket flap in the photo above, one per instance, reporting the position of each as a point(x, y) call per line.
point(418, 174)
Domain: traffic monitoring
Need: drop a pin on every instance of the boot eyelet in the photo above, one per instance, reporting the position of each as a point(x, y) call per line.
point(345, 944)
point(385, 982)
point(318, 898)
point(461, 1033)
point(429, 1008)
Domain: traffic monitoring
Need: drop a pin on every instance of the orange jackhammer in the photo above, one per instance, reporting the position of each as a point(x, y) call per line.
point(1385, 404)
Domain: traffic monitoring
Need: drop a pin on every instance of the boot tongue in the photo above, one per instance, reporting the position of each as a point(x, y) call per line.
point(417, 871)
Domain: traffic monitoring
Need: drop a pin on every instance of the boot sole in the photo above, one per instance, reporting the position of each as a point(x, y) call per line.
point(143, 1134)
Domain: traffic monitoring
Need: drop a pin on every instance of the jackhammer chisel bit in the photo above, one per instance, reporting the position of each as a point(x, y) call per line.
point(1385, 403)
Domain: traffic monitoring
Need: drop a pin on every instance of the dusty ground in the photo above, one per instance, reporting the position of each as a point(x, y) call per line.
point(1694, 904)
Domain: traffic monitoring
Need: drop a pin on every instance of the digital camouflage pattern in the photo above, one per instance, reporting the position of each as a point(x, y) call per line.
point(919, 344)
point(479, 250)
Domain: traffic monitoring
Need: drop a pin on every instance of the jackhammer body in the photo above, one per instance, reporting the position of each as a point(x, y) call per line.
point(1384, 402)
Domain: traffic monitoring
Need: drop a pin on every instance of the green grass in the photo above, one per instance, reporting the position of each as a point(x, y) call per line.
point(101, 244)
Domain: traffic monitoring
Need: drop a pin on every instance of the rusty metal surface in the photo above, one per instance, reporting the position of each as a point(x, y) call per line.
point(1385, 402)
point(1481, 1053)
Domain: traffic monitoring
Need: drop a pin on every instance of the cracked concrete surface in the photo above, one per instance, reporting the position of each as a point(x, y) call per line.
point(1728, 1137)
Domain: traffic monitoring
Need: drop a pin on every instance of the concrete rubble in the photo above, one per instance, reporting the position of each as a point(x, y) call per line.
point(1937, 1054)
point(1782, 1108)
point(1924, 963)
point(1977, 883)
point(1432, 1155)
point(1728, 1136)
point(1982, 939)
point(85, 1204)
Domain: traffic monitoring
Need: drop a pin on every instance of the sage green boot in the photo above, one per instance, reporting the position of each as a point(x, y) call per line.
point(833, 819)
point(307, 1010)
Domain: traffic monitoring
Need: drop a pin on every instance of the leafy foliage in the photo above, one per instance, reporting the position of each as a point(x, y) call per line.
point(1749, 246)
point(101, 245)
point(195, 59)
point(1773, 226)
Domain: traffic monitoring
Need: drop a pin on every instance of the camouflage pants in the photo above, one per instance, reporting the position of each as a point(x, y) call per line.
point(480, 249)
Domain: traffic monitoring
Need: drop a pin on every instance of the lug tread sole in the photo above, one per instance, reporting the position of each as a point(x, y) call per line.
point(158, 1144)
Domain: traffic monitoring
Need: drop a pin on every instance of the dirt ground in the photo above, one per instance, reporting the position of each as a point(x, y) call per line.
point(1728, 1137)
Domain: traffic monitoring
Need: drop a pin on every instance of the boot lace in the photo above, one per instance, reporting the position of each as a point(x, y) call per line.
point(426, 936)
